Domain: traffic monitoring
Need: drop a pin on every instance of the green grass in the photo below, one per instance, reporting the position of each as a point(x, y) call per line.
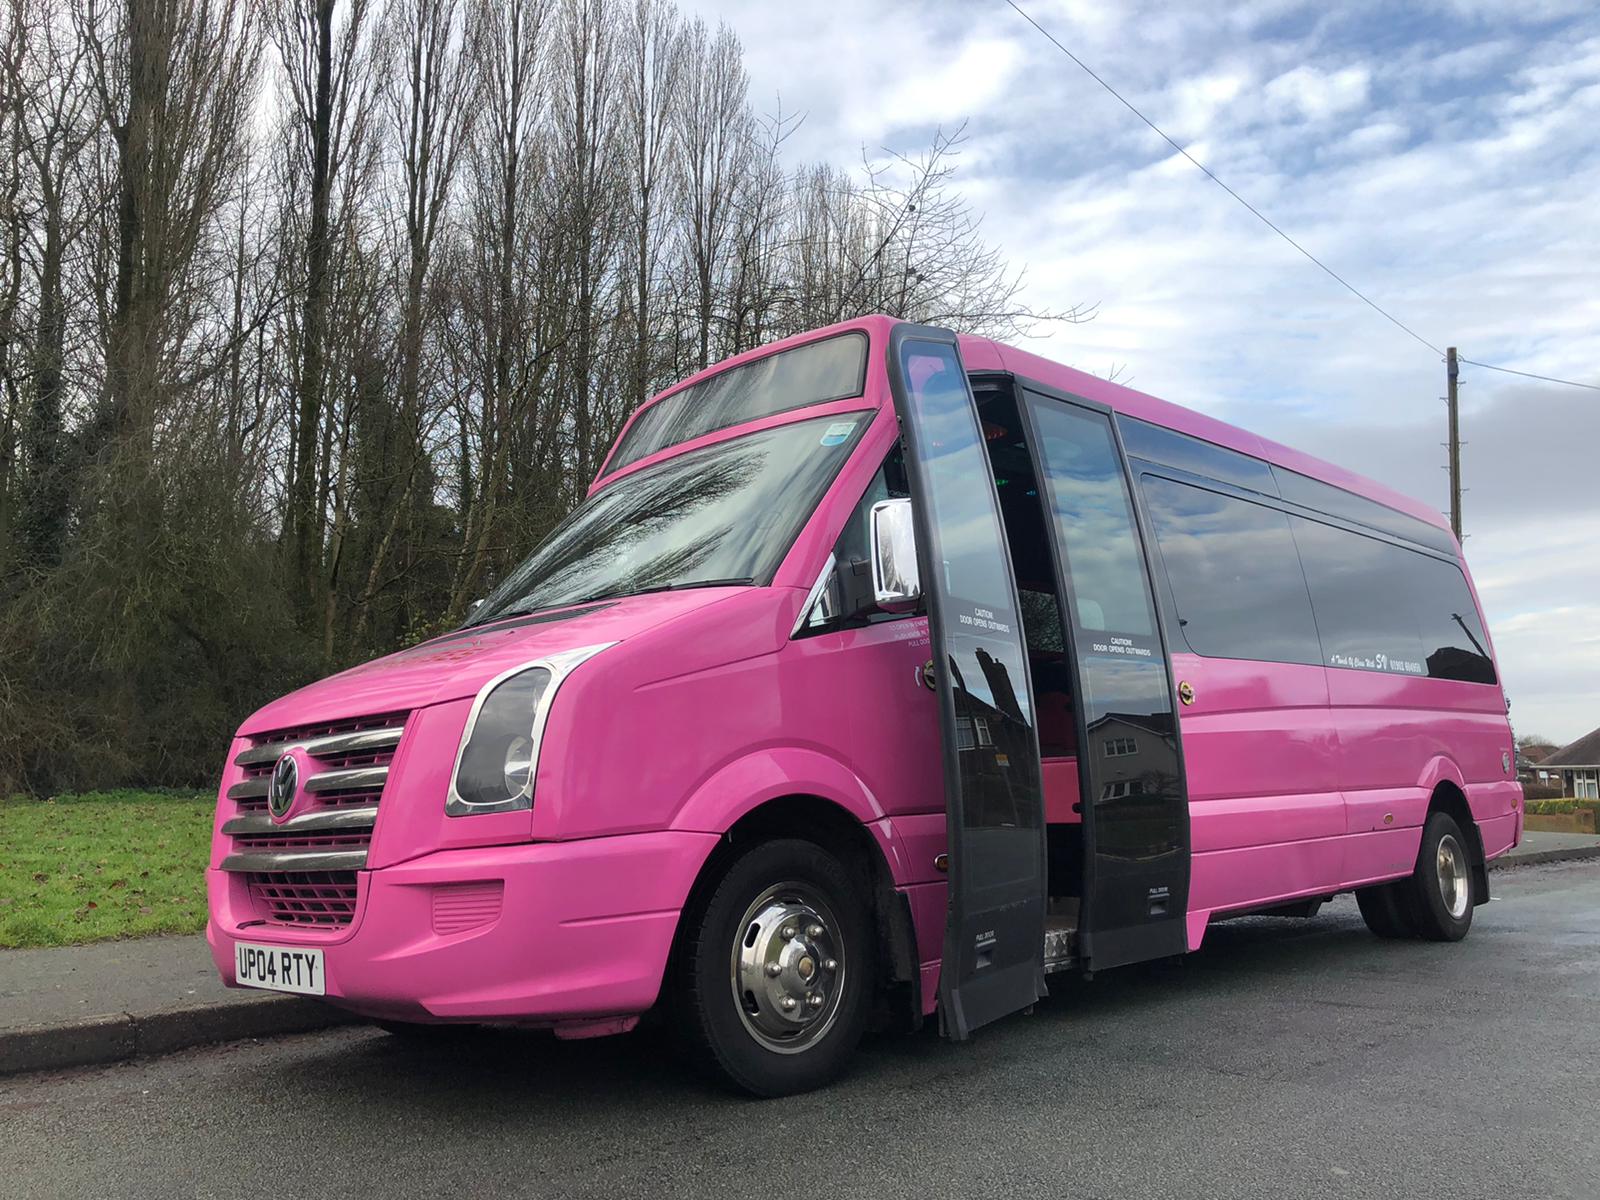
point(102, 865)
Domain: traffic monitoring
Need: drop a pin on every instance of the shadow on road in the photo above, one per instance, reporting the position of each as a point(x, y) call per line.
point(528, 1069)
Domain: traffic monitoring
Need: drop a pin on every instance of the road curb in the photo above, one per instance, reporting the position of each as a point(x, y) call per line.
point(116, 1037)
point(1535, 858)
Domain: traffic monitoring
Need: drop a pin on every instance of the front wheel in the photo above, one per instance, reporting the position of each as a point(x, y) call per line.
point(776, 977)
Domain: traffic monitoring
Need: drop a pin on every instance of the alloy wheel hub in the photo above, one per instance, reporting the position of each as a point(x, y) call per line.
point(788, 969)
point(1454, 881)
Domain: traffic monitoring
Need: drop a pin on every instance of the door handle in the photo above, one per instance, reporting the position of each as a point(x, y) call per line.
point(926, 677)
point(1186, 692)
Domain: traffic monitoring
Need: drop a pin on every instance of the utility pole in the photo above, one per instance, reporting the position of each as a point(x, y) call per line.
point(1451, 371)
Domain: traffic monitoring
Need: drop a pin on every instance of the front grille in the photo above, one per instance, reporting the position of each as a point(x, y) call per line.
point(302, 871)
point(321, 898)
point(355, 754)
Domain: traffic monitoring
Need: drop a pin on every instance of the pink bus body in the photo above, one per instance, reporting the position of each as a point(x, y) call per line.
point(705, 721)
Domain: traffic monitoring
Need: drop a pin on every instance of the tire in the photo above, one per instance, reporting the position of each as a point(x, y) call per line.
point(1382, 911)
point(737, 970)
point(1438, 897)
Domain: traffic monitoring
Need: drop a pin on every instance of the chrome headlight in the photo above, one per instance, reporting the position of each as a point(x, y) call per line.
point(499, 754)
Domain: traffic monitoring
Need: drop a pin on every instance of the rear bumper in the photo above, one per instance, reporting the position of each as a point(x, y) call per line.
point(538, 933)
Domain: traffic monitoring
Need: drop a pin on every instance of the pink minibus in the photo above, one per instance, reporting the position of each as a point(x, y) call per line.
point(882, 673)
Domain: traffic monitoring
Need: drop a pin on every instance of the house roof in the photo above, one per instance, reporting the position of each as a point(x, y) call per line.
point(1585, 752)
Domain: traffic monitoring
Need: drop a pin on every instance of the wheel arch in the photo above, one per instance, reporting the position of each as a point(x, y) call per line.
point(1449, 798)
point(863, 850)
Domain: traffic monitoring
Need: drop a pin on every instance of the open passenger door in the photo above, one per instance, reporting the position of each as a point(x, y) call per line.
point(994, 934)
point(1135, 798)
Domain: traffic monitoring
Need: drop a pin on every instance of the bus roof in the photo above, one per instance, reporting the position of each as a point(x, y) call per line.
point(985, 354)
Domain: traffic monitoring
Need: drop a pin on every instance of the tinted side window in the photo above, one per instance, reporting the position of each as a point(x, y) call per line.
point(1161, 445)
point(855, 542)
point(847, 598)
point(1356, 592)
point(1235, 575)
point(832, 369)
point(1381, 607)
point(1336, 502)
point(1089, 501)
point(1452, 638)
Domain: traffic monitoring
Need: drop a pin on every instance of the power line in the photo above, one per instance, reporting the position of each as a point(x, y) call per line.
point(1259, 215)
point(1530, 375)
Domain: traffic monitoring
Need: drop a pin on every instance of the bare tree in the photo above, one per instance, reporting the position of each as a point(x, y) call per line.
point(583, 74)
point(53, 132)
point(13, 231)
point(428, 102)
point(652, 80)
point(930, 262)
point(319, 80)
point(714, 133)
point(175, 83)
point(500, 340)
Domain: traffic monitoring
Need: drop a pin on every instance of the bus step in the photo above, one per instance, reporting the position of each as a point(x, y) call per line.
point(1060, 942)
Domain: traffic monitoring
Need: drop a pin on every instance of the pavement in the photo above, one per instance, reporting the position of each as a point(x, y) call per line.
point(84, 1005)
point(75, 1005)
point(1286, 1058)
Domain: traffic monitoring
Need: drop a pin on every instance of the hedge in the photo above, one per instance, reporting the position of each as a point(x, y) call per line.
point(1553, 807)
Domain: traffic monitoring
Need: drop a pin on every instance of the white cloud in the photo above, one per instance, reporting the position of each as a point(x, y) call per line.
point(951, 87)
point(1320, 94)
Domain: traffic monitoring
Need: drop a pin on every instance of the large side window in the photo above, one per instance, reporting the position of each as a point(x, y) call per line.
point(1089, 501)
point(846, 598)
point(1161, 445)
point(1235, 576)
point(1335, 501)
point(855, 542)
point(1381, 607)
point(1447, 618)
point(1355, 592)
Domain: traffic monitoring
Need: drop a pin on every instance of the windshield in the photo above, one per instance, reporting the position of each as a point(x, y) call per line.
point(723, 514)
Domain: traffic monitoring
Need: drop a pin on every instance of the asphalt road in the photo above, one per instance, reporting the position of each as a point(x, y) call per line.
point(1287, 1058)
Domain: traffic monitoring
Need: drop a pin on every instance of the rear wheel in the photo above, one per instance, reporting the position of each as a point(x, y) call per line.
point(1438, 896)
point(776, 976)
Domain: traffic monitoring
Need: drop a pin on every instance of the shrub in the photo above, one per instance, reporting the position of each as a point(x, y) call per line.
point(1544, 808)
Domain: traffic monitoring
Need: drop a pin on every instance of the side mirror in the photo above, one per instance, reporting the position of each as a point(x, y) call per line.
point(896, 583)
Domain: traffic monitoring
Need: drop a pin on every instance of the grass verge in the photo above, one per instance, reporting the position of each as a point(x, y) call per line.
point(99, 865)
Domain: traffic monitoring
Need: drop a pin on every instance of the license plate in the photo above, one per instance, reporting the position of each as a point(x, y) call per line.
point(279, 969)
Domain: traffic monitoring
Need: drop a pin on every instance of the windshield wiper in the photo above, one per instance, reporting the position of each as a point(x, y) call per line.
point(616, 593)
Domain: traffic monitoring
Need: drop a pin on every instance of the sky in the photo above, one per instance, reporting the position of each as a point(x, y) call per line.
point(1444, 157)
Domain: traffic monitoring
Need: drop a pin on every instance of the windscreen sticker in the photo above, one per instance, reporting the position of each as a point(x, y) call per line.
point(837, 433)
point(1122, 645)
point(983, 618)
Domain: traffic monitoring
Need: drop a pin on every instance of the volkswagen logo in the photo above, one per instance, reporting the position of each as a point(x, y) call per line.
point(285, 783)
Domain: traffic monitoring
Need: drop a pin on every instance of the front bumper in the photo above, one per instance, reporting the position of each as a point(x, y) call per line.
point(539, 933)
